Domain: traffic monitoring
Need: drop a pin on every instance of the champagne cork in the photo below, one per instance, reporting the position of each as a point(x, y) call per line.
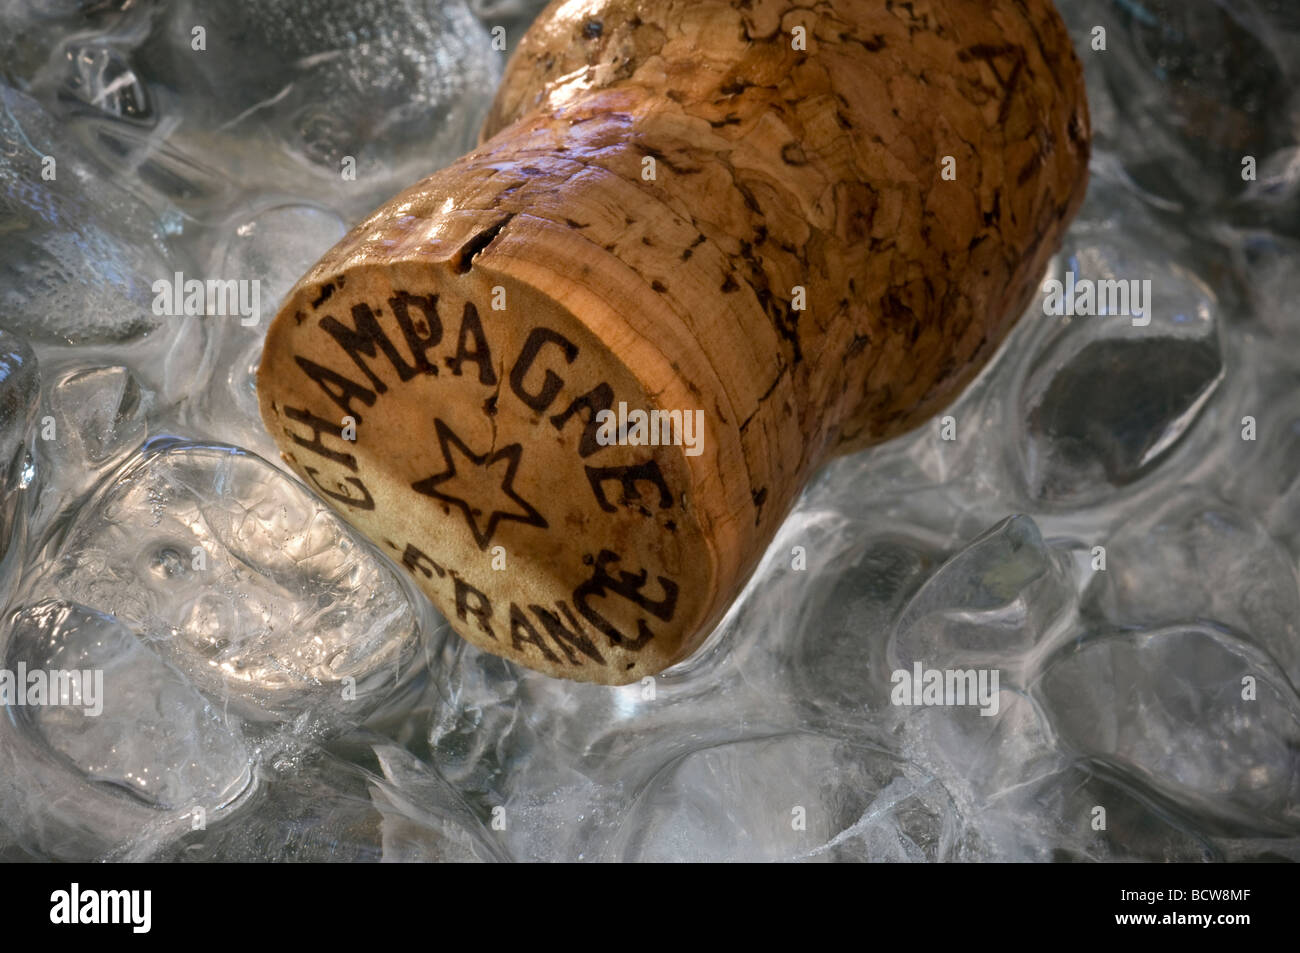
point(574, 381)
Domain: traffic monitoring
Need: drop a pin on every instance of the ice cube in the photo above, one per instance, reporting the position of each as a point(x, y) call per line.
point(258, 592)
point(1186, 536)
point(980, 753)
point(425, 819)
point(1197, 85)
point(1084, 813)
point(130, 746)
point(78, 255)
point(845, 607)
point(1196, 713)
point(344, 104)
point(95, 417)
point(1004, 597)
point(789, 797)
point(1106, 397)
point(271, 246)
point(19, 400)
point(314, 809)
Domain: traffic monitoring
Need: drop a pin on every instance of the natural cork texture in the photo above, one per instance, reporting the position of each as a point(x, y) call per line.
point(812, 223)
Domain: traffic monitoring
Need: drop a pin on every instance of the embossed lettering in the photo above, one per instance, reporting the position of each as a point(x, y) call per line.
point(600, 397)
point(416, 559)
point(628, 585)
point(564, 637)
point(364, 502)
point(471, 326)
point(629, 476)
point(522, 633)
point(319, 426)
point(347, 392)
point(481, 609)
point(551, 383)
point(366, 338)
point(419, 343)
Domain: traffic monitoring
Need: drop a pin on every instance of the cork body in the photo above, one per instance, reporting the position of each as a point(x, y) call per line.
point(780, 233)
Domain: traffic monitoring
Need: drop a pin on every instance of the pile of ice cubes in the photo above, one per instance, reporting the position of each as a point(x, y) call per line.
point(1103, 532)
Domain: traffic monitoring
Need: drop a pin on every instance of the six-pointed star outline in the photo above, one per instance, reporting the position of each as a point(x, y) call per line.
point(449, 441)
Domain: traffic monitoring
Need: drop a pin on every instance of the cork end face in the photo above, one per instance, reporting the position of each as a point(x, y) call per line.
point(500, 451)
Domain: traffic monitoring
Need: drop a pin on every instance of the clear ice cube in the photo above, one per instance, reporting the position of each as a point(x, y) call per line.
point(237, 576)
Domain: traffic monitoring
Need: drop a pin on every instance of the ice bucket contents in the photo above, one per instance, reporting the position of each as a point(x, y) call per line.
point(1056, 621)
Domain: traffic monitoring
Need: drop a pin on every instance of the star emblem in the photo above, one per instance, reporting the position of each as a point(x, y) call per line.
point(473, 492)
